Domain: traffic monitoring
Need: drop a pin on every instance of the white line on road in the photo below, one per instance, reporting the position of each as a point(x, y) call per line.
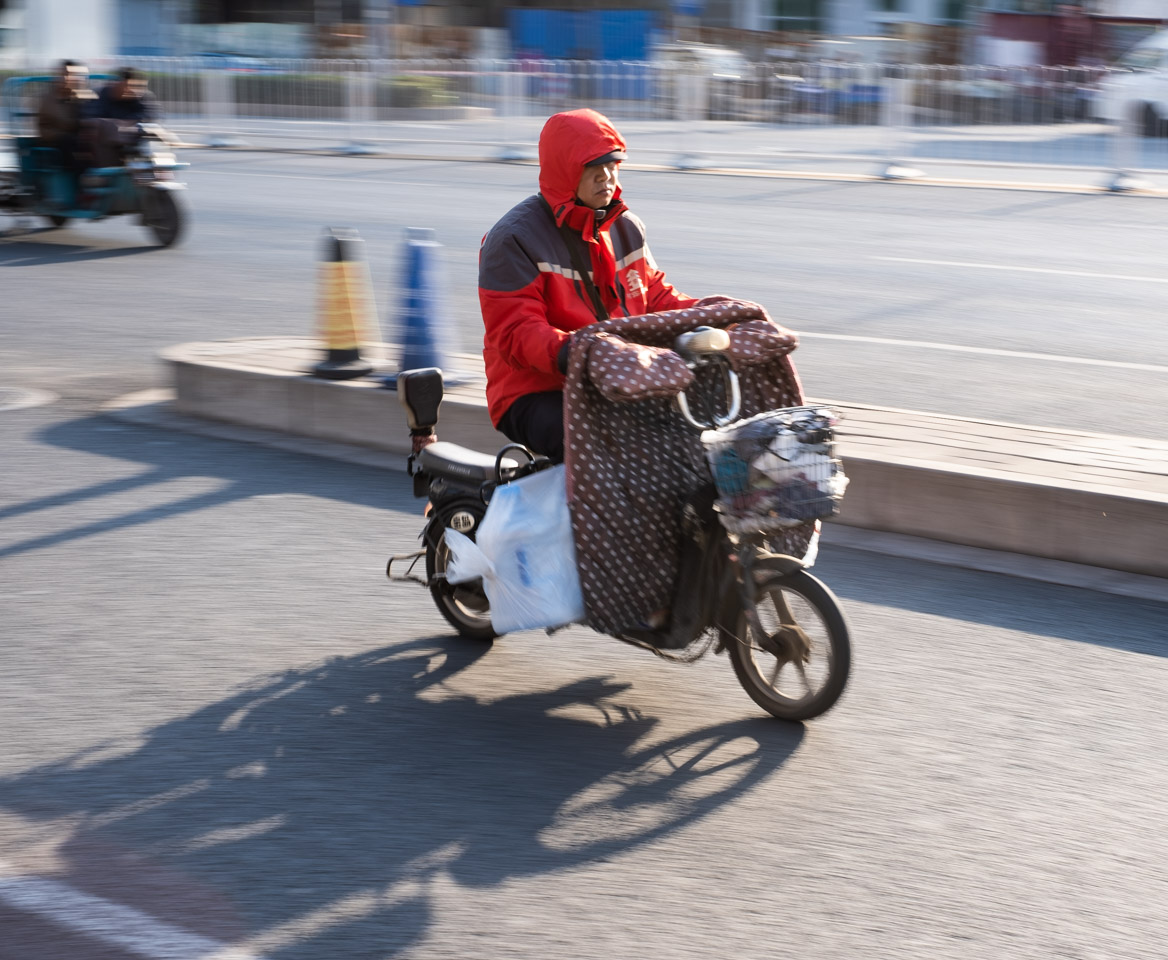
point(988, 351)
point(111, 923)
point(1010, 266)
point(339, 178)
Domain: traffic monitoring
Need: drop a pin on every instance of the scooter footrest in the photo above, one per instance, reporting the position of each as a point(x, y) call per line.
point(409, 576)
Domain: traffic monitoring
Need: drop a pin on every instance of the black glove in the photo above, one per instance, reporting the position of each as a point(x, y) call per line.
point(562, 356)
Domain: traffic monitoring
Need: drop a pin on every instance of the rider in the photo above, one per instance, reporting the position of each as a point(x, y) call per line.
point(121, 106)
point(127, 99)
point(60, 112)
point(531, 289)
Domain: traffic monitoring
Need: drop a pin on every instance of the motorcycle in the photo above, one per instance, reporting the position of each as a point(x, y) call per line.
point(782, 628)
point(41, 185)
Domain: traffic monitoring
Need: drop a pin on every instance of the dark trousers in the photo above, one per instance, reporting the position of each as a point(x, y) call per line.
point(109, 140)
point(71, 152)
point(537, 421)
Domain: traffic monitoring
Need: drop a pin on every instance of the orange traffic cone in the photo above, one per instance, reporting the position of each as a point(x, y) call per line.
point(346, 311)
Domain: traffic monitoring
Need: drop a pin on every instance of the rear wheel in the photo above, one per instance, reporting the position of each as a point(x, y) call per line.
point(795, 664)
point(464, 605)
point(57, 221)
point(163, 216)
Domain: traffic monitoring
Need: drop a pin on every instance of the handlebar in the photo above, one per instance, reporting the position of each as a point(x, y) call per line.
point(702, 342)
point(734, 397)
point(704, 346)
point(158, 132)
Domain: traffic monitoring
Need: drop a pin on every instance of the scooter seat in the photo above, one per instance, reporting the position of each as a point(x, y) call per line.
point(459, 463)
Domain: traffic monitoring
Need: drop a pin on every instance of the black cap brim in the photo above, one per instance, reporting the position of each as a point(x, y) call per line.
point(611, 156)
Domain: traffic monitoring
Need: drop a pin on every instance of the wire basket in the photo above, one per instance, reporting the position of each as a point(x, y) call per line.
point(777, 469)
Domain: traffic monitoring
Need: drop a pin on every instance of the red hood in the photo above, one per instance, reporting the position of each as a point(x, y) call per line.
point(567, 142)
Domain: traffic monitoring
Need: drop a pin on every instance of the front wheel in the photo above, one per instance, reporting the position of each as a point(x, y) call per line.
point(795, 664)
point(464, 605)
point(163, 216)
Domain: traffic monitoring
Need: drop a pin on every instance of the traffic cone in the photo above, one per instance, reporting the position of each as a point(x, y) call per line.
point(346, 312)
point(422, 325)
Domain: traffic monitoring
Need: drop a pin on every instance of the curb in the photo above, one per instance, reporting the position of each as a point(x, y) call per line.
point(931, 486)
point(1041, 517)
point(155, 408)
point(359, 412)
point(1083, 189)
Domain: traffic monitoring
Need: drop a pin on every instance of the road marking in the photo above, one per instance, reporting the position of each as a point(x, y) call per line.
point(988, 351)
point(1016, 269)
point(20, 398)
point(339, 178)
point(213, 838)
point(109, 922)
point(138, 807)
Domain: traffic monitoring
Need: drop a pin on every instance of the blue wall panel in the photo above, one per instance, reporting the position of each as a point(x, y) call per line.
point(581, 35)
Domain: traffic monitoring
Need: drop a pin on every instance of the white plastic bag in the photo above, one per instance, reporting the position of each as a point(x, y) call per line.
point(525, 555)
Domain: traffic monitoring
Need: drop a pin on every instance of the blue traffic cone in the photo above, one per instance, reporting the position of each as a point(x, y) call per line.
point(422, 326)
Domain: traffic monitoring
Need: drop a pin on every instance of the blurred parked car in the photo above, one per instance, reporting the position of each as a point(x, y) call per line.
point(1137, 87)
point(235, 63)
point(848, 93)
point(730, 79)
point(1005, 95)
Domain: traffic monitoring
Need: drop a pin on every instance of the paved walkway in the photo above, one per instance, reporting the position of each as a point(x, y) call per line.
point(1063, 457)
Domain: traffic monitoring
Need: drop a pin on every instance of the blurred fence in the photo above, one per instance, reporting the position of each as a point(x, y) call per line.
point(810, 117)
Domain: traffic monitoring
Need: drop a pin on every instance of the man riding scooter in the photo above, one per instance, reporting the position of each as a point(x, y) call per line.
point(558, 261)
point(693, 478)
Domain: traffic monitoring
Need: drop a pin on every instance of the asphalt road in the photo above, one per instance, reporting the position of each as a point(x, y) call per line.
point(919, 281)
point(224, 729)
point(222, 722)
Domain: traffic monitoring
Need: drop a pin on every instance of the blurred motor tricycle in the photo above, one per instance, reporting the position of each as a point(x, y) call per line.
point(43, 183)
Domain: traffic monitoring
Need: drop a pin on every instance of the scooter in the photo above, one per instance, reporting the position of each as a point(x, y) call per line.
point(782, 628)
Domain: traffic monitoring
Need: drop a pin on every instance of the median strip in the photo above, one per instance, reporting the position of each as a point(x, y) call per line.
point(1056, 494)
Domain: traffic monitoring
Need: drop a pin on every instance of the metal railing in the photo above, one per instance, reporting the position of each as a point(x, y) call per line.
point(810, 117)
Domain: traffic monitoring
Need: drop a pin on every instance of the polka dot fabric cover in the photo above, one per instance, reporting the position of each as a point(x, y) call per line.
point(621, 370)
point(757, 341)
point(631, 465)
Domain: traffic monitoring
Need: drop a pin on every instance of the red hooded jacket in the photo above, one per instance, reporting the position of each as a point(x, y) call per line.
point(530, 294)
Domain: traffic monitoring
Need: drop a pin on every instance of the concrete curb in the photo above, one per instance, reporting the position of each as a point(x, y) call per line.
point(155, 408)
point(1026, 186)
point(360, 412)
point(1042, 517)
point(1117, 518)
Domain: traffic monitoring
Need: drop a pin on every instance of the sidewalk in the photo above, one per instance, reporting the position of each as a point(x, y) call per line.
point(1079, 157)
point(1070, 158)
point(1055, 494)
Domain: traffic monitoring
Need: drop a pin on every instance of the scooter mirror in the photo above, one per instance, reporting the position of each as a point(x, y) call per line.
point(420, 392)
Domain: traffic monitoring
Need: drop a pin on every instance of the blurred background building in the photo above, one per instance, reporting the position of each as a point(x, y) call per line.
point(923, 31)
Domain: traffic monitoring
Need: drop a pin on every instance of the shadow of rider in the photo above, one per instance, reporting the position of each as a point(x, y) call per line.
point(337, 793)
